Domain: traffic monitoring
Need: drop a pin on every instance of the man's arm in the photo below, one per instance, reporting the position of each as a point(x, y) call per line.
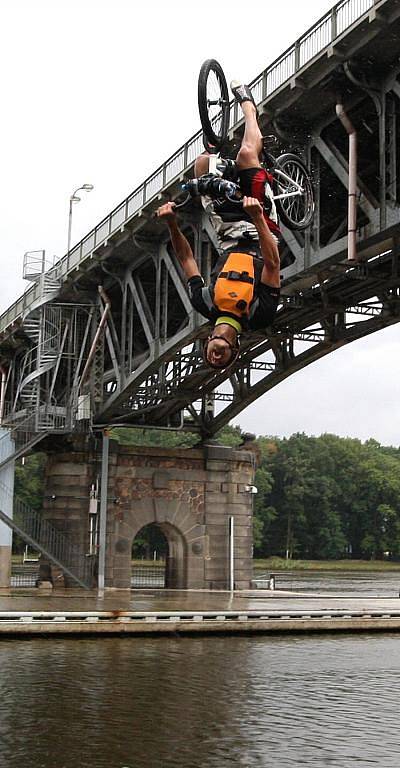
point(271, 273)
point(179, 242)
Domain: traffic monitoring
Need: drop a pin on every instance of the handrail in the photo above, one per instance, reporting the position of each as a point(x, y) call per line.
point(39, 533)
point(323, 33)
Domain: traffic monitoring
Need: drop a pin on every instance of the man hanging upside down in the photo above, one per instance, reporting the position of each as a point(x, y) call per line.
point(244, 289)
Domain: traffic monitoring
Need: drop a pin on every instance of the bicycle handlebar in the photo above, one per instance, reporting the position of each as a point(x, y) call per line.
point(211, 186)
point(214, 187)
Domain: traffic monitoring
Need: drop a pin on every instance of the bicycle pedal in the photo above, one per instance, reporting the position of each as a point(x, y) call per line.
point(270, 140)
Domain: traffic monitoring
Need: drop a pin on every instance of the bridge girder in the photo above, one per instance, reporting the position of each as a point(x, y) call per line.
point(353, 302)
point(147, 368)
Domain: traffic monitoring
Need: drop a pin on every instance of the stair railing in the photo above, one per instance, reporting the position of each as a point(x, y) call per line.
point(40, 534)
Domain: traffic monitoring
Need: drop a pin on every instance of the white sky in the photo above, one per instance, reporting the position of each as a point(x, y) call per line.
point(102, 92)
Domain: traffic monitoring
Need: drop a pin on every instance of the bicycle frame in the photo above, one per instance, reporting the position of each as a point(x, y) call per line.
point(275, 172)
point(298, 188)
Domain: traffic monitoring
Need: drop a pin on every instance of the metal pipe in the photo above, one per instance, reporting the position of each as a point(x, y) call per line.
point(352, 190)
point(231, 555)
point(271, 582)
point(2, 392)
point(103, 513)
point(97, 334)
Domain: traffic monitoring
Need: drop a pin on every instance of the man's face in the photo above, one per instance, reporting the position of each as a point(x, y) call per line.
point(219, 353)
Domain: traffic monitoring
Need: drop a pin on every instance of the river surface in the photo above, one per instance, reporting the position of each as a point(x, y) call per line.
point(278, 701)
point(206, 702)
point(345, 583)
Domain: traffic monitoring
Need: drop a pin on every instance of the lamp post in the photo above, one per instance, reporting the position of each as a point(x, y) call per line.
point(75, 199)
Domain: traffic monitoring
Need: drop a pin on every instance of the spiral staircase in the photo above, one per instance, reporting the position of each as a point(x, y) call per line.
point(35, 414)
point(33, 417)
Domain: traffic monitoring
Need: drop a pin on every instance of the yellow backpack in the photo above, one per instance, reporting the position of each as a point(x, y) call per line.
point(234, 286)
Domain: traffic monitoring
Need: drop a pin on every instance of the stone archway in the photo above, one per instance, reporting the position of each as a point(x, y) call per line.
point(174, 551)
point(150, 543)
point(192, 494)
point(176, 569)
point(179, 525)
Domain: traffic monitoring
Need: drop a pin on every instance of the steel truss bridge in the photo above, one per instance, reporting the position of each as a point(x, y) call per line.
point(131, 354)
point(107, 336)
point(73, 355)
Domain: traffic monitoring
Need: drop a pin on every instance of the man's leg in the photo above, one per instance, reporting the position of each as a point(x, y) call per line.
point(251, 146)
point(255, 181)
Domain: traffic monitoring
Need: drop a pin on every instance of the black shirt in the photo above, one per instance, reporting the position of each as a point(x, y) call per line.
point(264, 312)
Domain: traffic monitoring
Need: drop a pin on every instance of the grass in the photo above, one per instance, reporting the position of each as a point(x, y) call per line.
point(280, 564)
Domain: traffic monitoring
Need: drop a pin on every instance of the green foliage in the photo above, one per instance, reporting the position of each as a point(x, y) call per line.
point(154, 437)
point(332, 497)
point(230, 436)
point(272, 564)
point(29, 480)
point(319, 498)
point(150, 540)
point(29, 486)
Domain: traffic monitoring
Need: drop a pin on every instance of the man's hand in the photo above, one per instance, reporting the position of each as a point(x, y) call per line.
point(167, 212)
point(253, 207)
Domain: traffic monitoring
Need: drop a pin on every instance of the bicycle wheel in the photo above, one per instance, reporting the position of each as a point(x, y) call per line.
point(293, 192)
point(213, 100)
point(210, 148)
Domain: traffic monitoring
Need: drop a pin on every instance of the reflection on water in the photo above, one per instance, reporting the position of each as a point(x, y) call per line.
point(206, 702)
point(346, 583)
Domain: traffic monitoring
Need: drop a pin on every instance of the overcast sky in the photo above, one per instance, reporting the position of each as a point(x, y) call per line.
point(102, 92)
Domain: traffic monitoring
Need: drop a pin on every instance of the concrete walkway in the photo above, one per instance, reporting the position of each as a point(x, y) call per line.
point(33, 599)
point(40, 612)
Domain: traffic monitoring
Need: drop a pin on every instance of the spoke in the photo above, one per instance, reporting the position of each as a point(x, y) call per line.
point(297, 206)
point(214, 98)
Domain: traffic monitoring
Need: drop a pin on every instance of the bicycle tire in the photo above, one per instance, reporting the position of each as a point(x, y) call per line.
point(210, 148)
point(213, 101)
point(295, 212)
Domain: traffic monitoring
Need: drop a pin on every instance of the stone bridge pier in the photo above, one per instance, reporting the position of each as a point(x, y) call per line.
point(191, 494)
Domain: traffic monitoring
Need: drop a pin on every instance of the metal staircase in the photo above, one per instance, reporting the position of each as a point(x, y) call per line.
point(34, 413)
point(45, 538)
point(24, 436)
point(42, 325)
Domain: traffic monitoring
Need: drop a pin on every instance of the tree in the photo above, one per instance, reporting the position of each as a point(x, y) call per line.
point(29, 488)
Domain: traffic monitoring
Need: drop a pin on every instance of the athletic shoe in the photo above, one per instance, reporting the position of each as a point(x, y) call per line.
point(228, 169)
point(242, 92)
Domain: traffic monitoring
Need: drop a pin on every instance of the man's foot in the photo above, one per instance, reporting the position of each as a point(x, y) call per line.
point(242, 93)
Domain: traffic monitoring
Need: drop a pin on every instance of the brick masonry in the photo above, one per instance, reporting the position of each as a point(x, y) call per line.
point(190, 494)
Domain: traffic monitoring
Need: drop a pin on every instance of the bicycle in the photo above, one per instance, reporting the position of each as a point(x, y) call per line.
point(291, 181)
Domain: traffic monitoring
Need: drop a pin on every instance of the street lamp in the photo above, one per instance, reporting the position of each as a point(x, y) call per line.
point(75, 199)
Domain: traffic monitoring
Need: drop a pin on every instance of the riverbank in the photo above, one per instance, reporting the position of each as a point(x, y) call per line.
point(275, 564)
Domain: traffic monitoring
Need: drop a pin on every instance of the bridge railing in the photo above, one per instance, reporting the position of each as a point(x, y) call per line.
point(323, 33)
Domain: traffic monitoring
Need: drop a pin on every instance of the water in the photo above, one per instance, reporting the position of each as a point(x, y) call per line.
point(345, 583)
point(205, 702)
